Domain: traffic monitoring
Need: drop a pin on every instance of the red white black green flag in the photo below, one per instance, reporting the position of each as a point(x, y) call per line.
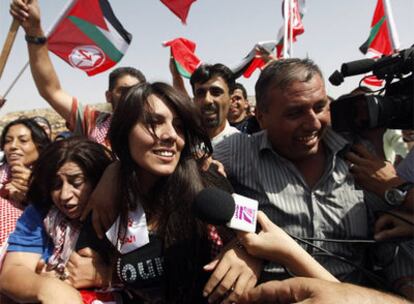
point(89, 37)
point(292, 12)
point(382, 38)
point(253, 60)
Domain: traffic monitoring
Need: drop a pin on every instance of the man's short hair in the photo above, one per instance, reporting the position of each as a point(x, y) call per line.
point(206, 71)
point(280, 74)
point(239, 86)
point(122, 71)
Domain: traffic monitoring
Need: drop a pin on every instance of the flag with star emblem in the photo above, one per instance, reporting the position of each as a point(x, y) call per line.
point(89, 37)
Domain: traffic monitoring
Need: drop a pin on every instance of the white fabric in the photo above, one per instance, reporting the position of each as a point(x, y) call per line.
point(136, 235)
point(227, 131)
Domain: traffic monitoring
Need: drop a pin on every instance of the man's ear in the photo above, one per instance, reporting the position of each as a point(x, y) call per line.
point(260, 116)
point(108, 95)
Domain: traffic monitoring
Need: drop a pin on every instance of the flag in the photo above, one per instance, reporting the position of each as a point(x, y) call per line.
point(179, 7)
point(251, 62)
point(297, 10)
point(382, 38)
point(89, 37)
point(182, 50)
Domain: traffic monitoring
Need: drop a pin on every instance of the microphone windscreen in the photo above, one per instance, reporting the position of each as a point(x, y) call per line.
point(357, 67)
point(214, 206)
point(336, 78)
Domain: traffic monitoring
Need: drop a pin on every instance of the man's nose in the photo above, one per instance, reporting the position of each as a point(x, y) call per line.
point(209, 98)
point(312, 121)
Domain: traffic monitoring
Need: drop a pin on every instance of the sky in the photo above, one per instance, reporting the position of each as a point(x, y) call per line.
point(224, 31)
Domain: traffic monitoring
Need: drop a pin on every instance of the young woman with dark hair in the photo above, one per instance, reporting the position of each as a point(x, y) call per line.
point(22, 140)
point(155, 132)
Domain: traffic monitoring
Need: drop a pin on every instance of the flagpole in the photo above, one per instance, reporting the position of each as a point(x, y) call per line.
point(392, 29)
point(286, 21)
point(11, 36)
point(291, 28)
point(67, 6)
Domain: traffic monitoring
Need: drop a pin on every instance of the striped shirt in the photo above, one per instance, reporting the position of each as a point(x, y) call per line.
point(334, 208)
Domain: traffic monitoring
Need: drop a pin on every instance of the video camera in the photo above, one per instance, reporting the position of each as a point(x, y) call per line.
point(391, 107)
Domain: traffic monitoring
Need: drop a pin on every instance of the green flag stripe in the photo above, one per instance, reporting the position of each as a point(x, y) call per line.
point(182, 70)
point(374, 31)
point(95, 34)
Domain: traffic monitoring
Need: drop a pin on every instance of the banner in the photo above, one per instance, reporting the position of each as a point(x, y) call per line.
point(89, 37)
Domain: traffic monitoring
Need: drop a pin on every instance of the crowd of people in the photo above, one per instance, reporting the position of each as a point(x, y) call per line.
point(105, 211)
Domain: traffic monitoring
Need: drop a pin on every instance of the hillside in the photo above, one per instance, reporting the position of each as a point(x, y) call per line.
point(58, 124)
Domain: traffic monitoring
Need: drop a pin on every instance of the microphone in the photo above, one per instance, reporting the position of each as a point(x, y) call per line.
point(336, 78)
point(357, 67)
point(217, 207)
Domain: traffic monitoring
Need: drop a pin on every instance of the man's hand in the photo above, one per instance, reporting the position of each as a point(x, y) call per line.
point(177, 79)
point(371, 172)
point(28, 14)
point(235, 272)
point(16, 192)
point(102, 201)
point(265, 55)
point(86, 269)
point(18, 186)
point(209, 161)
point(388, 226)
point(271, 243)
point(56, 291)
point(312, 291)
point(20, 173)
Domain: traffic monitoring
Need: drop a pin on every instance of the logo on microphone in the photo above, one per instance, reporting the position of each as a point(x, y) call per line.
point(245, 214)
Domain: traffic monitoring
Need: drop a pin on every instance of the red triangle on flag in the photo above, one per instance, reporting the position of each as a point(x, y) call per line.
point(89, 11)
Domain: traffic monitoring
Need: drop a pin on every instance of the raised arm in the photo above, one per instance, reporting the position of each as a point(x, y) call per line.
point(177, 79)
point(19, 281)
point(43, 72)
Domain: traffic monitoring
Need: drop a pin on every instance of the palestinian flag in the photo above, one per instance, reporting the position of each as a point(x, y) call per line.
point(89, 37)
point(182, 50)
point(379, 39)
point(295, 23)
point(179, 7)
point(382, 39)
point(251, 62)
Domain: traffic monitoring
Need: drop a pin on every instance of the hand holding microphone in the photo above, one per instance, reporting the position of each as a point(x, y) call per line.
point(272, 243)
point(217, 207)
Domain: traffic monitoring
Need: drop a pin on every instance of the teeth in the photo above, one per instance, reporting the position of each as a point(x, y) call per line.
point(164, 153)
point(307, 138)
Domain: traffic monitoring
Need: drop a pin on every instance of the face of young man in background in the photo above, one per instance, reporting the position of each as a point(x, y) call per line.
point(213, 100)
point(238, 107)
point(113, 96)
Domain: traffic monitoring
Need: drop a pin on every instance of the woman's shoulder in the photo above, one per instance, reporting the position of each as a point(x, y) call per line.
point(32, 217)
point(29, 232)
